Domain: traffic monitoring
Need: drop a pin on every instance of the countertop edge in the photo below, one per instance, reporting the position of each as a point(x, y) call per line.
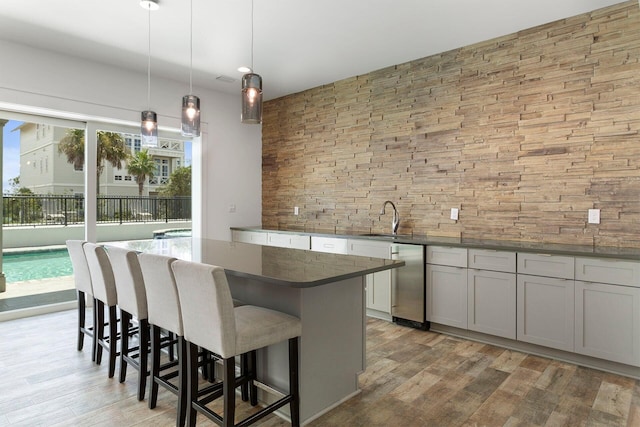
point(632, 254)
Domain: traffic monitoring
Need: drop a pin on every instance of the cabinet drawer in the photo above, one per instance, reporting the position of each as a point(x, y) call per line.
point(284, 240)
point(546, 265)
point(256, 237)
point(614, 271)
point(331, 245)
point(370, 248)
point(484, 259)
point(445, 255)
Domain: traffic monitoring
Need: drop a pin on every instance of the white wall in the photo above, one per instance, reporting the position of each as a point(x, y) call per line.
point(227, 163)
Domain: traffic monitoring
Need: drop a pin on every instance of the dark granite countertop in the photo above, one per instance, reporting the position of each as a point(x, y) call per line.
point(506, 245)
point(280, 266)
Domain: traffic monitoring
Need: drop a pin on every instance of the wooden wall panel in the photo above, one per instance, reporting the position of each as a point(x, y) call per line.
point(523, 133)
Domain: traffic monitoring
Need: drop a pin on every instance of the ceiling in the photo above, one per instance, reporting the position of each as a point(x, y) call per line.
point(298, 44)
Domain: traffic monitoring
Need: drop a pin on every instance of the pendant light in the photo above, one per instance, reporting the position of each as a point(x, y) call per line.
point(251, 90)
point(149, 119)
point(191, 103)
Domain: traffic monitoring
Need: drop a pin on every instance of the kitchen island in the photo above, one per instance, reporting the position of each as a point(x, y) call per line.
point(326, 291)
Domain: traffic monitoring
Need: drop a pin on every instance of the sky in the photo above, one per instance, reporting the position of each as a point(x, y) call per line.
point(11, 154)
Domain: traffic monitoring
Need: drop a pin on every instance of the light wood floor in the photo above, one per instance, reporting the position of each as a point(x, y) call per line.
point(414, 378)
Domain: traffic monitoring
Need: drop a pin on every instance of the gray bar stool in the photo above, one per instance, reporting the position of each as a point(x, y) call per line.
point(104, 291)
point(82, 279)
point(132, 301)
point(212, 322)
point(163, 307)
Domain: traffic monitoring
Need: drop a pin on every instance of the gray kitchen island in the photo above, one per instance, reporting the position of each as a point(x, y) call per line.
point(326, 291)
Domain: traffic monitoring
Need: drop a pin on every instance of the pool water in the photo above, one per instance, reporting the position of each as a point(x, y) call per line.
point(36, 265)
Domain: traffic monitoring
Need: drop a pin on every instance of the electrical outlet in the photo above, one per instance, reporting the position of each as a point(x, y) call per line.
point(296, 210)
point(232, 208)
point(594, 216)
point(454, 214)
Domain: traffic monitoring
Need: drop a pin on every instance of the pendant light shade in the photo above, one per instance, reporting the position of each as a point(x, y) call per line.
point(191, 103)
point(251, 91)
point(251, 99)
point(149, 119)
point(190, 115)
point(149, 129)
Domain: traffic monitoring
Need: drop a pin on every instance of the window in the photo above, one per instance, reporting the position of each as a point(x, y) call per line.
point(161, 175)
point(118, 178)
point(133, 143)
point(127, 178)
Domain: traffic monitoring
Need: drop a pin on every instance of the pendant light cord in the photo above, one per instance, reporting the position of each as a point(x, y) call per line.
point(191, 51)
point(252, 36)
point(149, 63)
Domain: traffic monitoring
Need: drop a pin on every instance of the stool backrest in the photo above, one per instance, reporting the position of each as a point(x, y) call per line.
point(163, 303)
point(104, 284)
point(132, 297)
point(81, 274)
point(207, 307)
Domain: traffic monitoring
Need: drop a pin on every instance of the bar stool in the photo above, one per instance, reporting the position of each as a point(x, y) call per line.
point(82, 279)
point(163, 307)
point(104, 291)
point(211, 321)
point(132, 301)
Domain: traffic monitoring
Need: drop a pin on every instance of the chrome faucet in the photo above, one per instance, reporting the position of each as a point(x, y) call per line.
point(395, 222)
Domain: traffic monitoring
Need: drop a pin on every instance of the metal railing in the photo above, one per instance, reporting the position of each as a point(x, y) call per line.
point(34, 210)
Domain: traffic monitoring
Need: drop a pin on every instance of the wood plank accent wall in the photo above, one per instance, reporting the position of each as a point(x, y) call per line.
point(523, 134)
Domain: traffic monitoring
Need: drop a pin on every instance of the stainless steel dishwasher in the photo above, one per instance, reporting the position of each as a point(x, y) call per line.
point(408, 286)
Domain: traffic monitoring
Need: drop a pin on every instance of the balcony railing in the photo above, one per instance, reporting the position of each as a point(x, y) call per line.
point(34, 210)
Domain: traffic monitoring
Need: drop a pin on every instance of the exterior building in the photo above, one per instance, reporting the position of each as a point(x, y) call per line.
point(44, 170)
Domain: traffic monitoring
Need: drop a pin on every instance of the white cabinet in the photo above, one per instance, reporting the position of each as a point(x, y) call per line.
point(546, 300)
point(546, 311)
point(607, 321)
point(491, 292)
point(287, 240)
point(447, 286)
point(491, 302)
point(245, 236)
point(378, 285)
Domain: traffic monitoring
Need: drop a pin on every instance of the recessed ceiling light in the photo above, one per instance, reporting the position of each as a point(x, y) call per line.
point(244, 69)
point(149, 4)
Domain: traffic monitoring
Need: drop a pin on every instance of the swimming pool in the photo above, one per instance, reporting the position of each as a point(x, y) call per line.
point(22, 266)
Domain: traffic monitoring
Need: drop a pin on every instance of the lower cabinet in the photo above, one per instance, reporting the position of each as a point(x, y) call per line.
point(378, 285)
point(491, 302)
point(546, 311)
point(608, 322)
point(447, 295)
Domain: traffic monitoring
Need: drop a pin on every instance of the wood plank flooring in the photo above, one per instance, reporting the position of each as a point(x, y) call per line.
point(414, 378)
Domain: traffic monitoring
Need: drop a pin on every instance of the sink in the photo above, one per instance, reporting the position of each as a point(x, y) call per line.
point(386, 236)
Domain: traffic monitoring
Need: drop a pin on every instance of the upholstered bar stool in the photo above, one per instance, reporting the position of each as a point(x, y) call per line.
point(82, 280)
point(104, 291)
point(163, 307)
point(211, 322)
point(132, 301)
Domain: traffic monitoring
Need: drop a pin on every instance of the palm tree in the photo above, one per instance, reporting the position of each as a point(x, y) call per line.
point(111, 147)
point(141, 165)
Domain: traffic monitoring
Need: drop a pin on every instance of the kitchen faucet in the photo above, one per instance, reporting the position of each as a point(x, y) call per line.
point(395, 222)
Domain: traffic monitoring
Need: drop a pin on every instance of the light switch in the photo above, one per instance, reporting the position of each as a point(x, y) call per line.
point(594, 216)
point(296, 210)
point(454, 214)
point(232, 208)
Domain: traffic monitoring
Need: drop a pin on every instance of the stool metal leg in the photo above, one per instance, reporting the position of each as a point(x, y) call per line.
point(294, 390)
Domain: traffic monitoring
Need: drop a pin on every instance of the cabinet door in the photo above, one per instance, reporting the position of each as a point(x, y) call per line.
point(447, 295)
point(379, 291)
point(378, 284)
point(546, 311)
point(243, 236)
point(491, 302)
point(608, 322)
